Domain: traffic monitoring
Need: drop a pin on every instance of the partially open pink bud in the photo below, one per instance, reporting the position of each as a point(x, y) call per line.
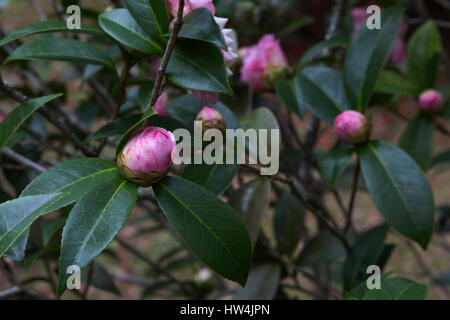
point(263, 63)
point(2, 117)
point(161, 104)
point(146, 158)
point(190, 5)
point(352, 127)
point(211, 119)
point(431, 100)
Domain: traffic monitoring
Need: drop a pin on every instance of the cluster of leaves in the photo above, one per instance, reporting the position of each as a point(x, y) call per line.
point(96, 201)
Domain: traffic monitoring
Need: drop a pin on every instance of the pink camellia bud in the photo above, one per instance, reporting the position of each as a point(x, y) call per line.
point(211, 119)
point(2, 117)
point(263, 63)
point(146, 158)
point(161, 104)
point(352, 127)
point(190, 5)
point(431, 100)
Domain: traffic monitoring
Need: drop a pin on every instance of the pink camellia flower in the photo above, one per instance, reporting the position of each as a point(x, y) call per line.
point(190, 5)
point(352, 127)
point(431, 100)
point(146, 158)
point(398, 54)
point(206, 97)
point(2, 117)
point(263, 63)
point(161, 104)
point(211, 119)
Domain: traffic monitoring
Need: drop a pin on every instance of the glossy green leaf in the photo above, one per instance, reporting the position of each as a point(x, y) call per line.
point(399, 189)
point(392, 82)
point(288, 223)
point(321, 90)
point(49, 227)
point(45, 27)
point(418, 140)
point(62, 49)
point(185, 109)
point(210, 227)
point(251, 201)
point(262, 284)
point(101, 278)
point(287, 93)
point(116, 128)
point(318, 48)
point(16, 218)
point(120, 25)
point(424, 56)
point(397, 289)
point(441, 158)
point(151, 15)
point(93, 223)
point(124, 139)
point(198, 65)
point(365, 252)
point(77, 177)
point(15, 118)
point(333, 164)
point(200, 25)
point(215, 178)
point(323, 248)
point(366, 56)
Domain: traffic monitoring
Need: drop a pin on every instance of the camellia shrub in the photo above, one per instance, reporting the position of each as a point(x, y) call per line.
point(232, 161)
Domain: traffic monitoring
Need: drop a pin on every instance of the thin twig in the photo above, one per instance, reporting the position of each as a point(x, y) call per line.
point(21, 159)
point(353, 196)
point(123, 84)
point(167, 54)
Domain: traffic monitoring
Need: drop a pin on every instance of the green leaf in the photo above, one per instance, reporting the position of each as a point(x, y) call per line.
point(116, 128)
point(287, 93)
point(251, 201)
point(288, 223)
point(15, 118)
point(424, 56)
point(321, 90)
point(62, 49)
point(198, 65)
point(444, 279)
point(151, 15)
point(210, 227)
point(366, 56)
point(399, 189)
point(417, 140)
point(365, 252)
point(333, 164)
point(262, 283)
point(16, 218)
point(392, 82)
point(124, 139)
point(397, 289)
point(92, 224)
point(77, 177)
point(50, 226)
point(45, 27)
point(120, 25)
point(185, 109)
point(323, 248)
point(200, 25)
point(318, 48)
point(215, 178)
point(441, 158)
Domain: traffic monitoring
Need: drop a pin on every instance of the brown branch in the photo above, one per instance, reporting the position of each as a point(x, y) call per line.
point(21, 159)
point(177, 24)
point(353, 196)
point(123, 84)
